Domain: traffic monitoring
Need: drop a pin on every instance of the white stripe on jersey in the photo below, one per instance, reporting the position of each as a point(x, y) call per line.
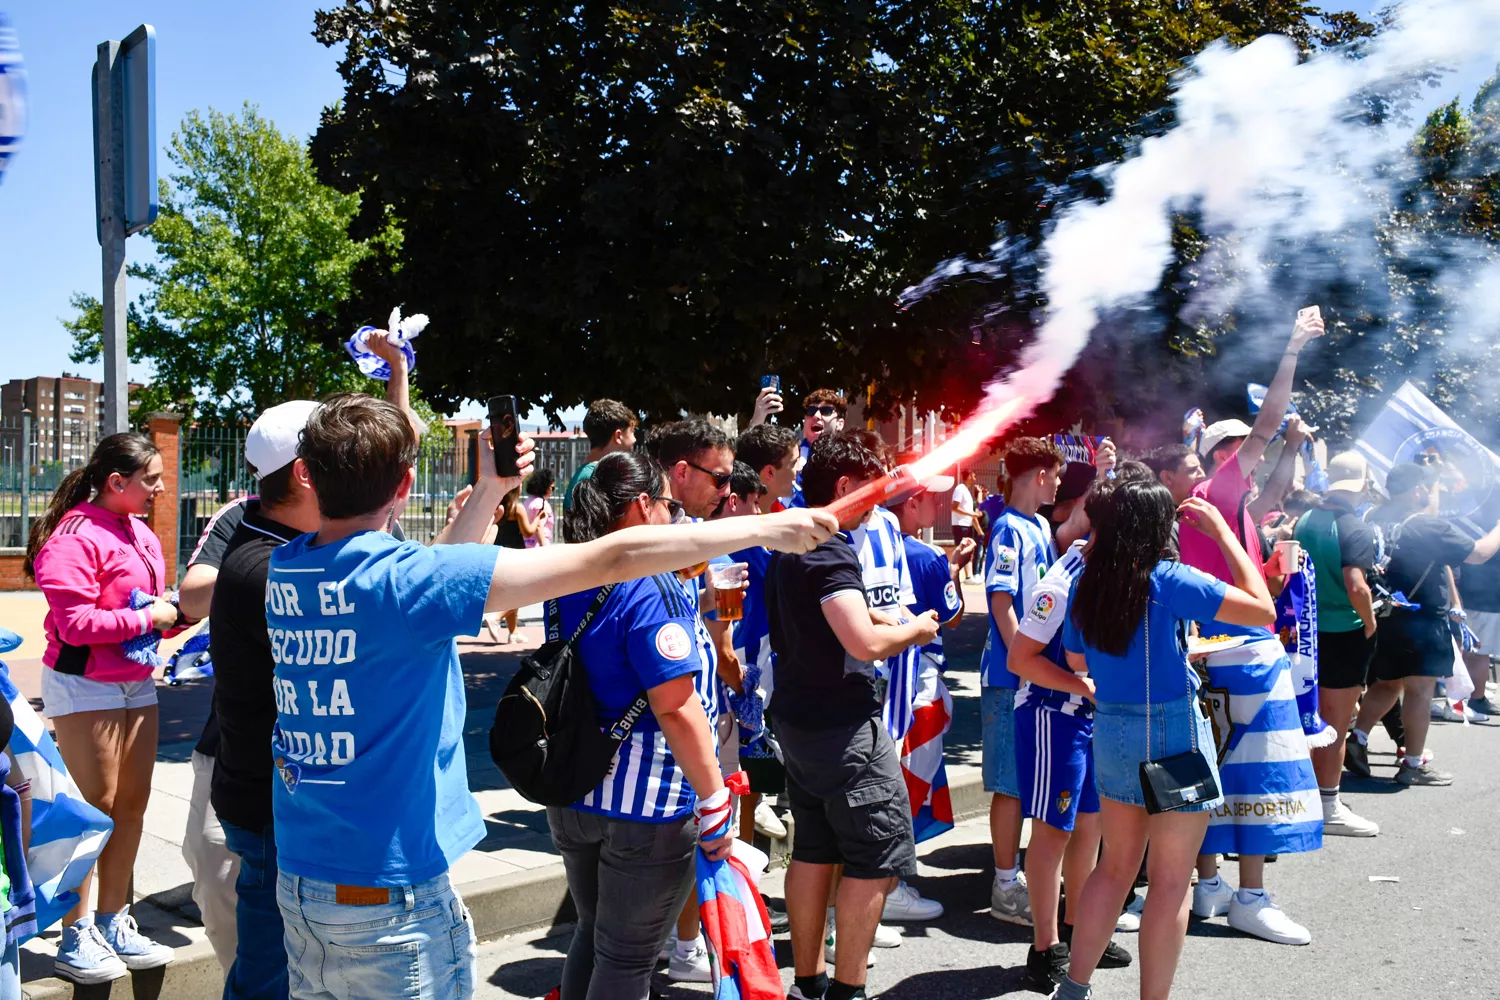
point(1042, 620)
point(882, 562)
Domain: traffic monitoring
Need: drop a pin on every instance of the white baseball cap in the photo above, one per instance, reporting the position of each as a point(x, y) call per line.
point(273, 438)
point(1219, 431)
point(1348, 472)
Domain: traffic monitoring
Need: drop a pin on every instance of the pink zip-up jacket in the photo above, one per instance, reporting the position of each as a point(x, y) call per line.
point(86, 571)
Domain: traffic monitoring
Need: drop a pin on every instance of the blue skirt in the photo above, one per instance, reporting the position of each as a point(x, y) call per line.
point(1120, 745)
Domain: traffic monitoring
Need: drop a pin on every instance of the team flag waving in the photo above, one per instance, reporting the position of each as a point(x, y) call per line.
point(67, 833)
point(735, 922)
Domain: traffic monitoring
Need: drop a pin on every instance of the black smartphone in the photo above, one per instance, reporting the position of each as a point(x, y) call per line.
point(771, 382)
point(506, 434)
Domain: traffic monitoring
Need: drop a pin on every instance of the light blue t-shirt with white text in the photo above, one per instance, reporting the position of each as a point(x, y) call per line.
point(372, 785)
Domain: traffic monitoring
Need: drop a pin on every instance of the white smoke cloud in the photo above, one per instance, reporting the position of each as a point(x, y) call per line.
point(1269, 151)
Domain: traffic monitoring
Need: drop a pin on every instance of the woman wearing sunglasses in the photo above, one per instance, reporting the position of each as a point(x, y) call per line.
point(628, 845)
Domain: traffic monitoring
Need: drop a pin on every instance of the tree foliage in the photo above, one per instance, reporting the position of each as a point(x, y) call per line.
point(660, 200)
point(254, 268)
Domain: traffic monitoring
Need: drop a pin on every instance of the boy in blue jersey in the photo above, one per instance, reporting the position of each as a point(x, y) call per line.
point(1020, 552)
point(373, 806)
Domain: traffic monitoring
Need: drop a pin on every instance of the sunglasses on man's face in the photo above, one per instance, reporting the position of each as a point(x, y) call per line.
point(826, 410)
point(721, 479)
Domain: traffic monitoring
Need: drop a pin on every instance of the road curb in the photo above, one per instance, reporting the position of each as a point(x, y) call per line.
point(502, 906)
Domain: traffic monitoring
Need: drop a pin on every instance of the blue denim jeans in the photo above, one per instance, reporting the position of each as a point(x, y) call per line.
point(419, 947)
point(10, 973)
point(259, 970)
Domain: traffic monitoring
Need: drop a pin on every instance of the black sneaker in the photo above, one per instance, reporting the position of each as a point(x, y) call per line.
point(780, 922)
point(1046, 969)
point(1114, 957)
point(1357, 758)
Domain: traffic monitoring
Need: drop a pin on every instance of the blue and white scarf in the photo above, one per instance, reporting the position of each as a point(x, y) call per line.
point(1271, 803)
point(1297, 628)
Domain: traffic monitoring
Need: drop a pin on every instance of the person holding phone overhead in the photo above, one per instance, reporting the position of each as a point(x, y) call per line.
point(1272, 790)
point(1127, 629)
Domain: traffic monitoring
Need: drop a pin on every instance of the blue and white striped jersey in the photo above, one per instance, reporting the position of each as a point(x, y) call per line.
point(882, 562)
point(647, 633)
point(1043, 622)
point(1020, 553)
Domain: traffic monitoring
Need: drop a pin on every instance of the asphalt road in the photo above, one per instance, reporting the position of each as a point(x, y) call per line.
point(1432, 934)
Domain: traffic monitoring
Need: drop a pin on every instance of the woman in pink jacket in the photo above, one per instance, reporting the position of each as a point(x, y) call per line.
point(87, 553)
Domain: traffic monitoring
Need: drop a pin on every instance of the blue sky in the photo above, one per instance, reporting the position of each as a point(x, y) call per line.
point(210, 54)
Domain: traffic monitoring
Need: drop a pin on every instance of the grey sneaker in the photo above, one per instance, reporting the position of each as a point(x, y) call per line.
point(1423, 774)
point(1011, 904)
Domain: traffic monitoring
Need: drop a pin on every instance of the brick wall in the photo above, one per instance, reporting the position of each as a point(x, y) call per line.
point(165, 430)
point(11, 577)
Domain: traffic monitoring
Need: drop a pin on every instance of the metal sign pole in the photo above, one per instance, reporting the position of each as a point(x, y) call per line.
point(109, 144)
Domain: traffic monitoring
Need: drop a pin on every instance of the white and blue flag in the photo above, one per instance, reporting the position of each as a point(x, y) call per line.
point(1412, 428)
point(67, 833)
point(12, 93)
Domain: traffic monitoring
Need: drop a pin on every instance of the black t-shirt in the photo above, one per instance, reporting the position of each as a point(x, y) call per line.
point(210, 552)
point(244, 700)
point(818, 684)
point(1418, 542)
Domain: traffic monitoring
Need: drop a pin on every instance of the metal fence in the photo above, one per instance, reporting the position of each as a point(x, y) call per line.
point(213, 473)
point(32, 464)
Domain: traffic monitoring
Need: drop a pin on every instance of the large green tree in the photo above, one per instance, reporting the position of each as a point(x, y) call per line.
point(662, 199)
point(248, 294)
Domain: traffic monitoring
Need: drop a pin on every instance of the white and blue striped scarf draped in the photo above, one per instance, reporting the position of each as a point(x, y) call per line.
point(12, 93)
point(1271, 803)
point(901, 691)
point(67, 834)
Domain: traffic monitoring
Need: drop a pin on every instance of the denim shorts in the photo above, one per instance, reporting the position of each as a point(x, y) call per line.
point(418, 946)
point(997, 714)
point(1120, 745)
point(67, 694)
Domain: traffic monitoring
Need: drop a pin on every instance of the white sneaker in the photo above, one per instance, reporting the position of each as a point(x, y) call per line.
point(1445, 712)
point(906, 903)
point(767, 822)
point(1473, 714)
point(1340, 821)
point(1011, 904)
point(829, 949)
point(1210, 900)
point(887, 937)
point(1128, 923)
point(691, 968)
point(1264, 919)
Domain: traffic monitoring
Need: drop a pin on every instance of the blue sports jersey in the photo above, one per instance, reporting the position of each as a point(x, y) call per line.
point(370, 705)
point(804, 452)
point(882, 562)
point(1043, 623)
point(752, 633)
point(1179, 594)
point(932, 582)
point(646, 634)
point(1020, 553)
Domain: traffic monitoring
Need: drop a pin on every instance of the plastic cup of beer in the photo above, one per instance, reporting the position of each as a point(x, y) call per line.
point(1290, 551)
point(729, 590)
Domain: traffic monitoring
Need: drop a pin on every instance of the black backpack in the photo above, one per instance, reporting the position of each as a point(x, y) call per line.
point(546, 738)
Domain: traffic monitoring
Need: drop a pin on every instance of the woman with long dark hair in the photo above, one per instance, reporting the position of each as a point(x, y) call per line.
point(88, 553)
point(1127, 629)
point(628, 845)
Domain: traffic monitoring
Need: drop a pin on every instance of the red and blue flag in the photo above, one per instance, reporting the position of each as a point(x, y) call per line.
point(735, 922)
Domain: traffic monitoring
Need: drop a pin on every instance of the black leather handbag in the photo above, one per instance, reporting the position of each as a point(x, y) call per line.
point(1182, 779)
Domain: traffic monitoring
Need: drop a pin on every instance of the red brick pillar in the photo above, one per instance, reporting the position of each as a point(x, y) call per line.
point(165, 431)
